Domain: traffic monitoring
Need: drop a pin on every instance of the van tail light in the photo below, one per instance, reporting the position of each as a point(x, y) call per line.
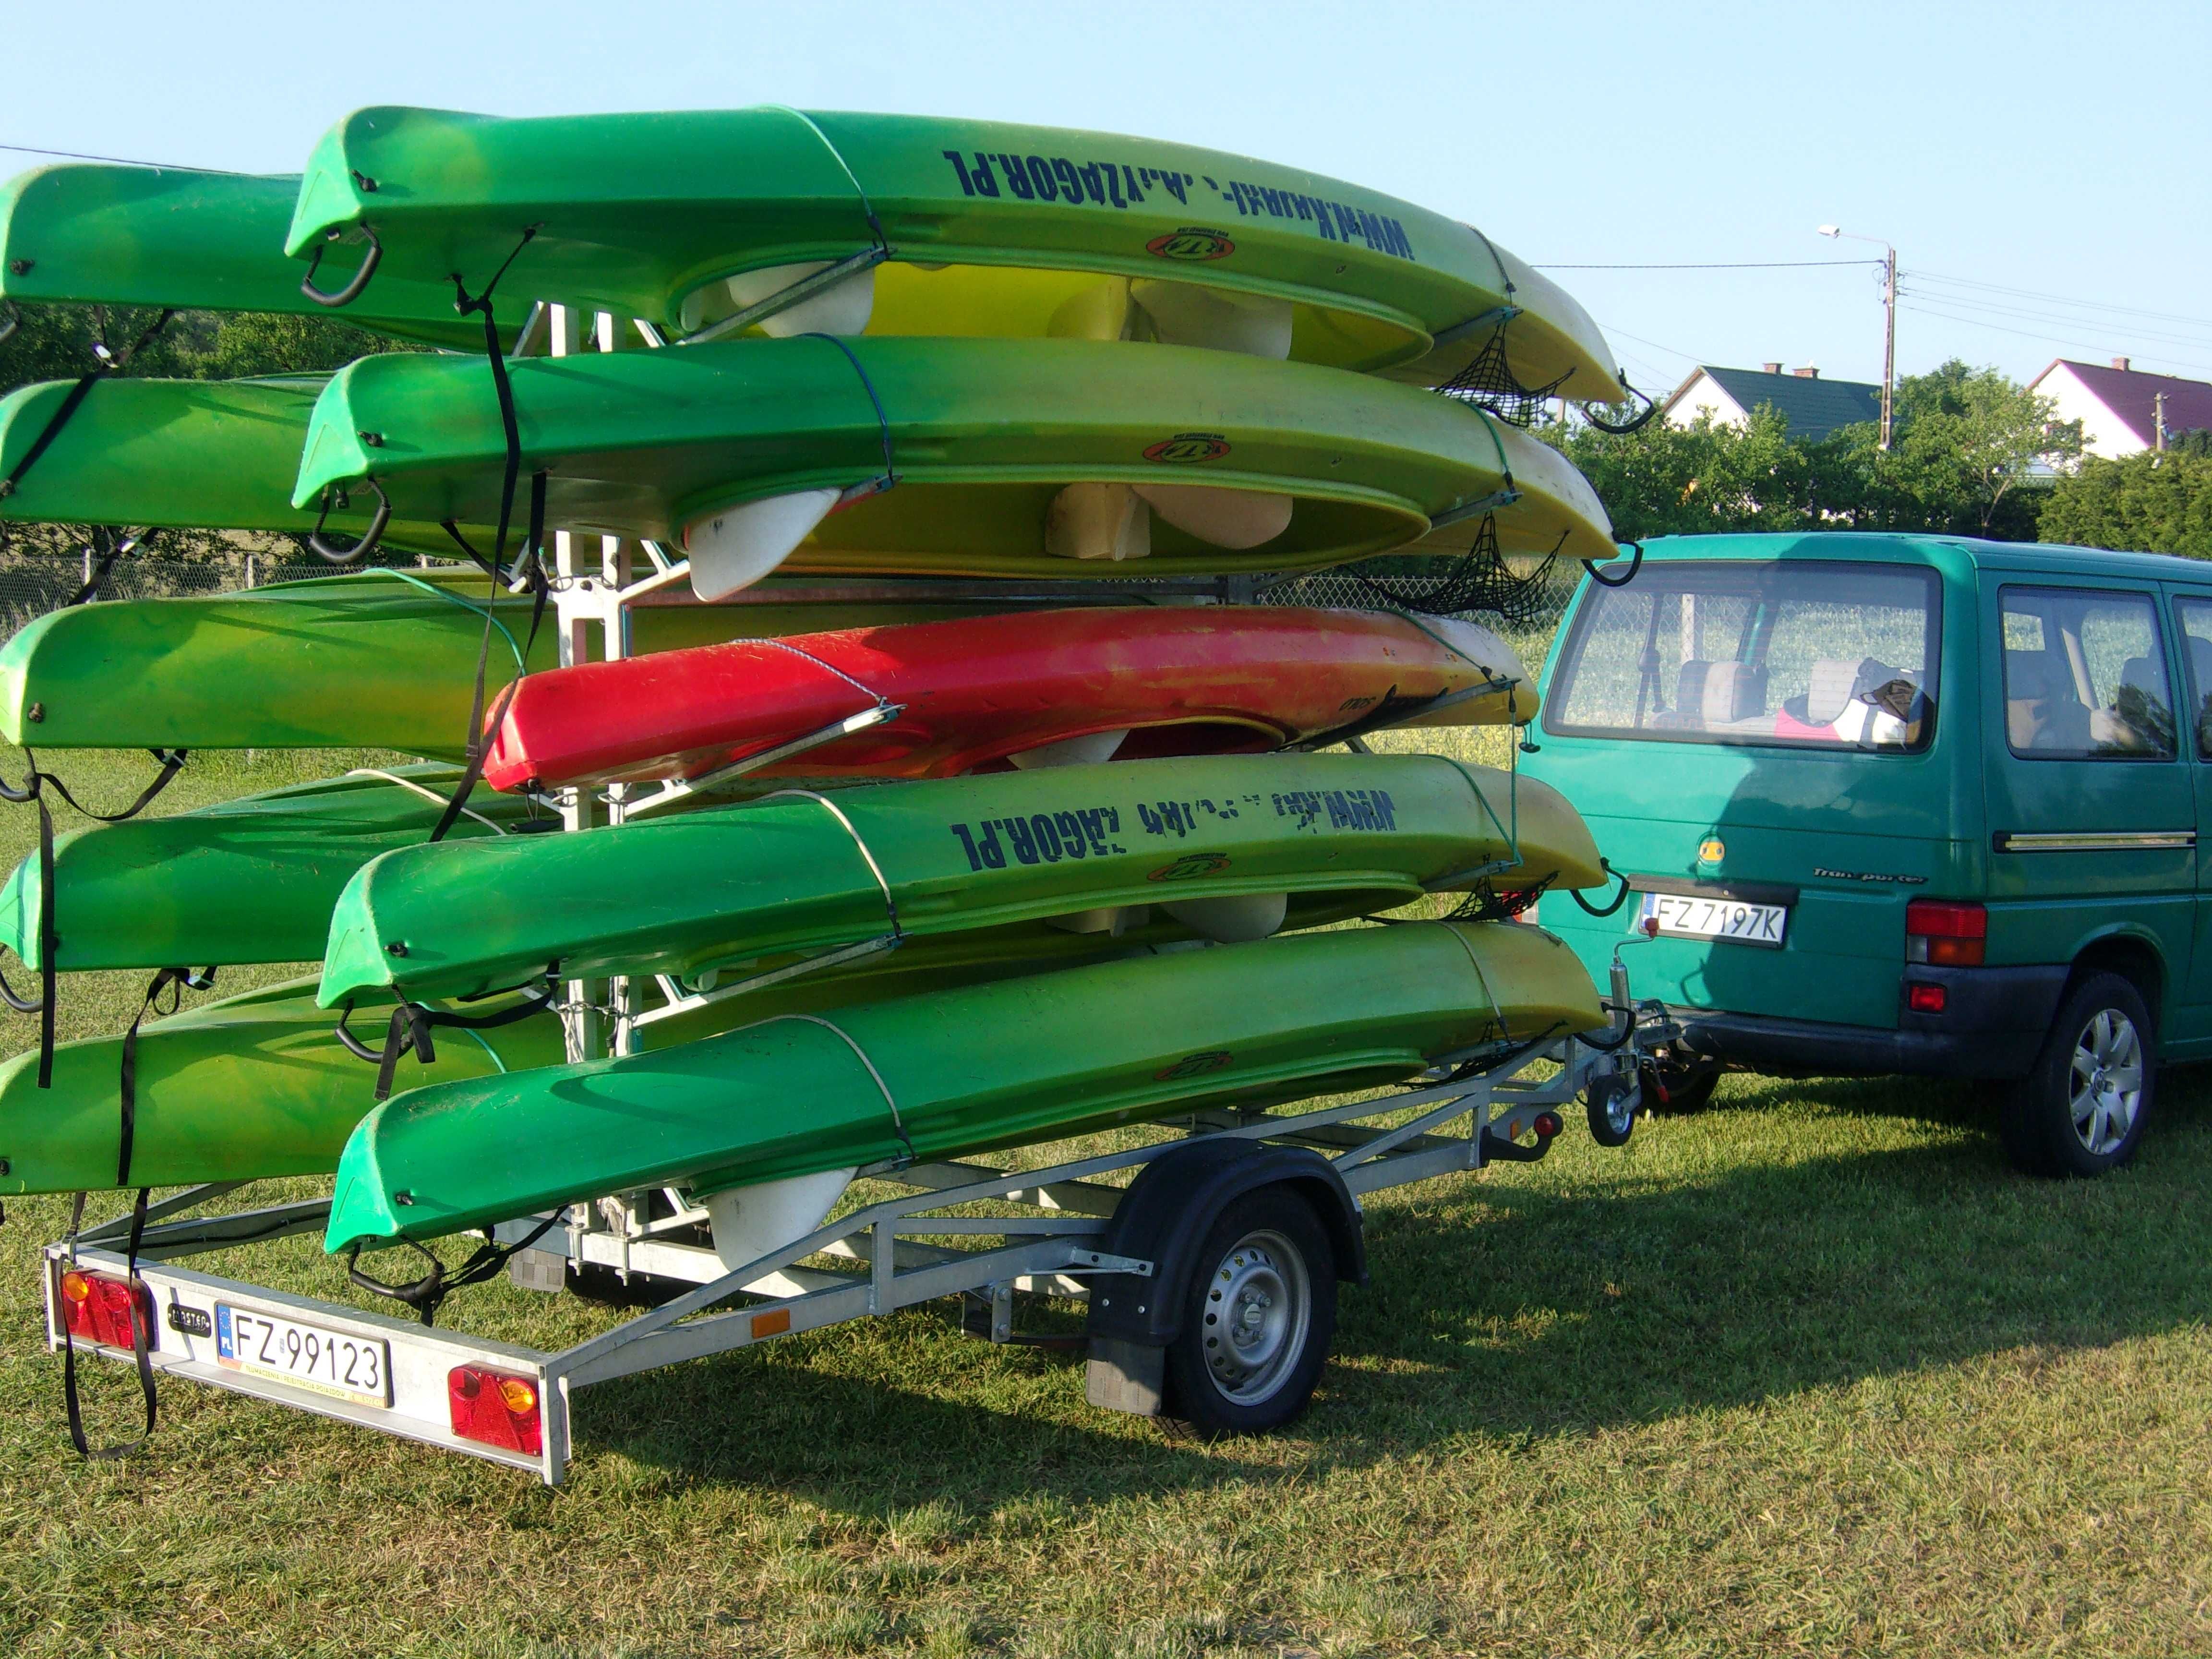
point(494, 1409)
point(1945, 933)
point(98, 1307)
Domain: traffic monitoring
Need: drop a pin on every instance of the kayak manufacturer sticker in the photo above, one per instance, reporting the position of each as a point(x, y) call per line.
point(1178, 818)
point(1193, 245)
point(1190, 867)
point(1211, 1060)
point(1062, 180)
point(1188, 446)
point(1041, 838)
point(1345, 809)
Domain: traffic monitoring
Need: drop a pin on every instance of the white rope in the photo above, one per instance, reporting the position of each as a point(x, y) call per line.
point(426, 795)
point(874, 869)
point(898, 1123)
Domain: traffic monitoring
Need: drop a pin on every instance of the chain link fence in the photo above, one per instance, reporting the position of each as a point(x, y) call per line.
point(32, 584)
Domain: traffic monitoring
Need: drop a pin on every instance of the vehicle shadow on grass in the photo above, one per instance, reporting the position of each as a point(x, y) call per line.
point(1516, 1306)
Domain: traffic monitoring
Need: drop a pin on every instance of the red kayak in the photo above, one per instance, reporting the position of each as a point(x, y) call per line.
point(926, 700)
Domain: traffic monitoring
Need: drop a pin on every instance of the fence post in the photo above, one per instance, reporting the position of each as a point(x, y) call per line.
point(87, 567)
point(249, 570)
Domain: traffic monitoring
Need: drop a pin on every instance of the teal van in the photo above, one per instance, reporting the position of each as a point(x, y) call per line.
point(1886, 804)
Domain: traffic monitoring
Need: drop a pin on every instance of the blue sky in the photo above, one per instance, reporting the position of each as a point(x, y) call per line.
point(2057, 152)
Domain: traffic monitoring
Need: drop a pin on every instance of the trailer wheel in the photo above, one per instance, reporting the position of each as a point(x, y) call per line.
point(1614, 1100)
point(1257, 1319)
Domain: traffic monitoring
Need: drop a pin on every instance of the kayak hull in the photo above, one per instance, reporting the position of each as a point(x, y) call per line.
point(1072, 1052)
point(710, 890)
point(1189, 681)
point(649, 214)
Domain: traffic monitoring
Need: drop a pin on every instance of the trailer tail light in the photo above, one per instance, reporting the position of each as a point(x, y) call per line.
point(1945, 933)
point(1926, 999)
point(97, 1307)
point(494, 1409)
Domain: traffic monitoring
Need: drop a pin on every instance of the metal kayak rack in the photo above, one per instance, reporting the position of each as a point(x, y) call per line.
point(1210, 1278)
point(1072, 1235)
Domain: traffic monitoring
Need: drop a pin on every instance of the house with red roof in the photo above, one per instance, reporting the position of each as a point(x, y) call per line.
point(2121, 407)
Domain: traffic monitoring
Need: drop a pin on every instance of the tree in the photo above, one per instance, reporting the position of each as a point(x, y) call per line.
point(2150, 503)
point(1966, 439)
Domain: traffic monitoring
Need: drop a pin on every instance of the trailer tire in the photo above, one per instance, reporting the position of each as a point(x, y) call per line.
point(1258, 1318)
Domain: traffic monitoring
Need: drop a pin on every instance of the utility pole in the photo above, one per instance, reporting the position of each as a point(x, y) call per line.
point(2158, 420)
point(1889, 323)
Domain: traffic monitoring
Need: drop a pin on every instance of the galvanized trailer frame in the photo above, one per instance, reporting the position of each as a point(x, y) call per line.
point(886, 1256)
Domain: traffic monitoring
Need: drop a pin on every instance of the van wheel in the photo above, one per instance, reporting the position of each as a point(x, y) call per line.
point(1677, 1087)
point(1257, 1319)
point(2082, 1108)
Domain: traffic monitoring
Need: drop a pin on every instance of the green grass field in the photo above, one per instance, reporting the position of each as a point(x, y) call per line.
point(1810, 1372)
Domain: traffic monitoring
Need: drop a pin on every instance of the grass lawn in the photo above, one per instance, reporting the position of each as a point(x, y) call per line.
point(1810, 1372)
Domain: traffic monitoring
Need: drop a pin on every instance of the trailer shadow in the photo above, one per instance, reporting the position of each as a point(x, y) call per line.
point(1510, 1307)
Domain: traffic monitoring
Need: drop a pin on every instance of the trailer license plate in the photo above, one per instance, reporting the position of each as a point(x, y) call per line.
point(354, 1368)
point(1685, 915)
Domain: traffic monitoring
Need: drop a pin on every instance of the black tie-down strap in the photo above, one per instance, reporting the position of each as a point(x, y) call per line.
point(530, 560)
point(111, 362)
point(424, 1294)
point(35, 789)
point(410, 1033)
point(142, 1339)
point(175, 981)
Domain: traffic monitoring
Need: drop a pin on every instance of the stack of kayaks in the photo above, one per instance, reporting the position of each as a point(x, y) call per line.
point(929, 839)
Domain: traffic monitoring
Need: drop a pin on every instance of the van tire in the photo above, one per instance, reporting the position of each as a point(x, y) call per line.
point(2075, 1113)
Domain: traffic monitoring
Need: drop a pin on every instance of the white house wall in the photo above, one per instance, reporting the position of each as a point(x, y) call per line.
point(2103, 433)
point(1704, 395)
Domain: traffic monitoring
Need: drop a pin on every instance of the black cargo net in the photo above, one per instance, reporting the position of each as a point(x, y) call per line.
point(1484, 902)
point(1489, 383)
point(1481, 580)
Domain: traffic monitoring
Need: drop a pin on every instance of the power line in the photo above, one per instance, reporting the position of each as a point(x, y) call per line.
point(2056, 298)
point(1756, 264)
point(2048, 339)
point(117, 161)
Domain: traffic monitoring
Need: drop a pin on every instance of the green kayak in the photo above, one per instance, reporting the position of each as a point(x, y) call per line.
point(1013, 456)
point(1069, 1053)
point(184, 455)
point(374, 659)
point(257, 1086)
point(187, 241)
point(249, 880)
point(1234, 846)
point(685, 218)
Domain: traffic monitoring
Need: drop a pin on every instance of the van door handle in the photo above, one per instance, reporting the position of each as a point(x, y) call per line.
point(2091, 841)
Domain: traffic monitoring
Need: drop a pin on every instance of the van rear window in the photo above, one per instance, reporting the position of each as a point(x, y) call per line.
point(1822, 654)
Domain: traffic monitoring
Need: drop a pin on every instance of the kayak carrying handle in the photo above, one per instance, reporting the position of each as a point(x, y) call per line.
point(351, 291)
point(1618, 898)
point(1627, 576)
point(1621, 429)
point(368, 538)
point(424, 1294)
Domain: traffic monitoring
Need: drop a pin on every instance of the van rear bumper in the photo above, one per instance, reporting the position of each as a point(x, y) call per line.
point(1992, 1025)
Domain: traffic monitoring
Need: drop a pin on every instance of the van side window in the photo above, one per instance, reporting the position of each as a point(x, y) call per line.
point(2196, 639)
point(2085, 676)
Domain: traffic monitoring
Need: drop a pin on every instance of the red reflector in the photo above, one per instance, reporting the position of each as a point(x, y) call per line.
point(1545, 1125)
point(1945, 918)
point(97, 1308)
point(494, 1408)
point(1926, 999)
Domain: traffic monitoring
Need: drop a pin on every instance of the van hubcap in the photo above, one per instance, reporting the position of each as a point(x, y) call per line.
point(2107, 1081)
point(1258, 1307)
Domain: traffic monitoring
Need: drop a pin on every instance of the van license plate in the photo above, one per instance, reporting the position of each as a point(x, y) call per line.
point(1685, 915)
point(355, 1368)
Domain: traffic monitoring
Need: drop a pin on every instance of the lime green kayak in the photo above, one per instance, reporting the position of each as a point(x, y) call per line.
point(1069, 1053)
point(186, 241)
point(376, 658)
point(1234, 846)
point(257, 1086)
point(248, 880)
point(685, 218)
point(184, 455)
point(1012, 457)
